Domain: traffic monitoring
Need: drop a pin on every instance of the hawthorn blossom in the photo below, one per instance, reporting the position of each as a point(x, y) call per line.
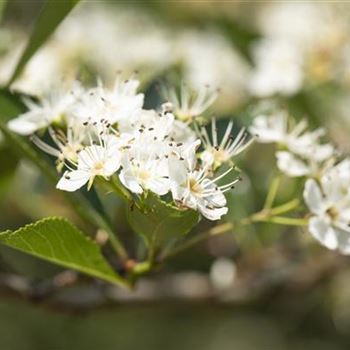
point(300, 152)
point(278, 68)
point(95, 160)
point(270, 128)
point(53, 107)
point(329, 203)
point(217, 153)
point(116, 105)
point(145, 164)
point(66, 145)
point(318, 32)
point(191, 187)
point(142, 171)
point(190, 104)
point(150, 123)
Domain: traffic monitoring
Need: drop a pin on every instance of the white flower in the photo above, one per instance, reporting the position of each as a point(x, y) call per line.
point(116, 105)
point(95, 160)
point(190, 104)
point(143, 169)
point(297, 22)
point(208, 57)
point(330, 208)
point(68, 144)
point(270, 128)
point(292, 165)
point(124, 100)
point(53, 107)
point(149, 123)
point(181, 132)
point(191, 188)
point(278, 69)
point(306, 156)
point(300, 151)
point(217, 153)
point(307, 144)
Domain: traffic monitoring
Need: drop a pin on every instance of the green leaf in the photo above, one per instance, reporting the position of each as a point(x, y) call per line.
point(59, 242)
point(159, 222)
point(51, 15)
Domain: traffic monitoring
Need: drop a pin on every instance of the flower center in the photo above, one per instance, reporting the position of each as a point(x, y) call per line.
point(332, 213)
point(70, 151)
point(194, 186)
point(143, 175)
point(98, 168)
point(220, 155)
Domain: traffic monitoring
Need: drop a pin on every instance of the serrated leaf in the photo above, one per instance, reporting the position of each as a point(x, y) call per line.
point(59, 242)
point(159, 222)
point(51, 15)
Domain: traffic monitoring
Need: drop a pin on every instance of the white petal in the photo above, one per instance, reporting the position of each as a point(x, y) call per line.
point(218, 200)
point(159, 186)
point(343, 241)
point(112, 164)
point(291, 165)
point(26, 124)
point(323, 232)
point(313, 196)
point(87, 158)
point(72, 181)
point(213, 213)
point(178, 171)
point(207, 158)
point(178, 192)
point(129, 181)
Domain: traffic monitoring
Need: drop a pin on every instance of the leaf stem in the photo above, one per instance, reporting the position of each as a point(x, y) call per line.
point(215, 231)
point(285, 208)
point(274, 186)
point(114, 185)
point(282, 220)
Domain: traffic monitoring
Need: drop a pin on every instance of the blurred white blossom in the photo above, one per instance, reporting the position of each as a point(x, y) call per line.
point(299, 151)
point(329, 203)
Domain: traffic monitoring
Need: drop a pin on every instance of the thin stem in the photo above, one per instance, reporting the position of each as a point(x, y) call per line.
point(116, 243)
point(215, 231)
point(270, 198)
point(285, 208)
point(105, 224)
point(114, 185)
point(282, 220)
point(142, 268)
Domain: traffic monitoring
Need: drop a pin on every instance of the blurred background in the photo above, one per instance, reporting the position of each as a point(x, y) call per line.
point(259, 287)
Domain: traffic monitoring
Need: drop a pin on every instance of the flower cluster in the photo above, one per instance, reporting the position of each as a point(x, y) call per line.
point(327, 188)
point(107, 134)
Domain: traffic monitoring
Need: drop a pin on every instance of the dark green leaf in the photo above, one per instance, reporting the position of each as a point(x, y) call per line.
point(59, 242)
point(159, 222)
point(51, 15)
